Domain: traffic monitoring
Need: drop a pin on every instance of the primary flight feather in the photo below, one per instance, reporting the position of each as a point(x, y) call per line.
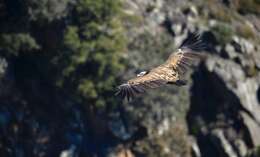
point(170, 72)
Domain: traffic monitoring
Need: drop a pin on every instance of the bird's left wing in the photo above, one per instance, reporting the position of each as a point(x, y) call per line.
point(140, 84)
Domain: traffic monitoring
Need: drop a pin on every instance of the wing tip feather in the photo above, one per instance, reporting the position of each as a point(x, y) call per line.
point(126, 91)
point(193, 42)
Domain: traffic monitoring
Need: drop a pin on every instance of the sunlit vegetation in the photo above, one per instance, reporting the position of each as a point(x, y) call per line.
point(245, 30)
point(12, 43)
point(223, 33)
point(248, 6)
point(162, 145)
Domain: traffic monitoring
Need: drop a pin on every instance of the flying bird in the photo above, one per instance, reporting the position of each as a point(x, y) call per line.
point(170, 72)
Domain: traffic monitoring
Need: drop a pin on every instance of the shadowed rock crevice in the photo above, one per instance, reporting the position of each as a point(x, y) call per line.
point(215, 116)
point(258, 94)
point(85, 48)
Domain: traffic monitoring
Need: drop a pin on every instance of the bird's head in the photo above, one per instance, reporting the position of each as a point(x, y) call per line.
point(142, 73)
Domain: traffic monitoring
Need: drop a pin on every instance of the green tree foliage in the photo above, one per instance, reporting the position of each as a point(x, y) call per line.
point(12, 43)
point(93, 43)
point(248, 6)
point(48, 10)
point(223, 32)
point(78, 43)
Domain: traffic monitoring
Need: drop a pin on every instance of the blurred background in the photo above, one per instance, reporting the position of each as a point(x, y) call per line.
point(61, 60)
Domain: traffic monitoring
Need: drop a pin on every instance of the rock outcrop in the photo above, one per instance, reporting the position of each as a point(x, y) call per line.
point(216, 115)
point(224, 99)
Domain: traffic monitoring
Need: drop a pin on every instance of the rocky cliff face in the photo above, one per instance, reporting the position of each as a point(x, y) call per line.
point(223, 102)
point(216, 115)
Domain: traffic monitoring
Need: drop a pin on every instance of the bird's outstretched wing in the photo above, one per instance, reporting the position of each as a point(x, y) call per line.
point(188, 54)
point(183, 60)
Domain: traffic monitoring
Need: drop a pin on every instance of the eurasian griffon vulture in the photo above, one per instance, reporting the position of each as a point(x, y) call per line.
point(170, 72)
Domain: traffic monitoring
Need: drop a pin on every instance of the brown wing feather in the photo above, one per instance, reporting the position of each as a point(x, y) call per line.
point(183, 60)
point(187, 54)
point(153, 79)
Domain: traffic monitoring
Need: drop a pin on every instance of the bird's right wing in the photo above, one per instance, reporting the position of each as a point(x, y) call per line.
point(187, 55)
point(182, 61)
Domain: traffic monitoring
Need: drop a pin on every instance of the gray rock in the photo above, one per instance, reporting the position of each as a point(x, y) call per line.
point(230, 51)
point(3, 66)
point(177, 28)
point(253, 128)
point(246, 46)
point(234, 77)
point(69, 152)
point(256, 57)
point(241, 147)
point(221, 143)
point(195, 148)
point(232, 91)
